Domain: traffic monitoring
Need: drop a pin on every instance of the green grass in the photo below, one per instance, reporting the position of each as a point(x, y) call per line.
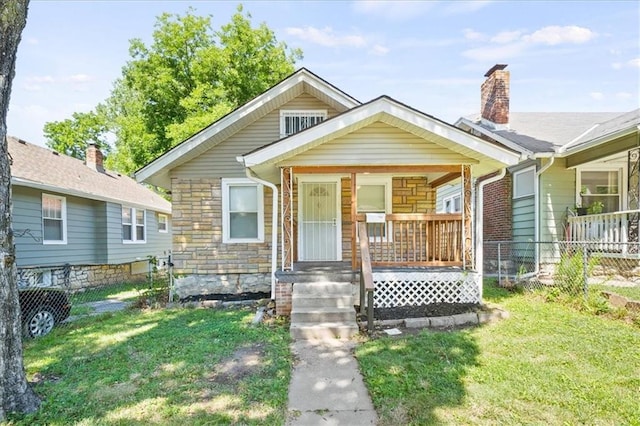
point(169, 367)
point(629, 292)
point(126, 291)
point(546, 364)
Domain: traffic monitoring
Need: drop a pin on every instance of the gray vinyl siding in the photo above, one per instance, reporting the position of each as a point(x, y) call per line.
point(94, 233)
point(156, 243)
point(80, 248)
point(446, 191)
point(379, 143)
point(220, 161)
point(524, 219)
point(557, 194)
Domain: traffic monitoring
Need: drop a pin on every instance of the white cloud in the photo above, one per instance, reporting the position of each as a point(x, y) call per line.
point(598, 96)
point(617, 65)
point(506, 37)
point(634, 63)
point(80, 78)
point(40, 79)
point(32, 87)
point(379, 50)
point(470, 34)
point(393, 10)
point(32, 40)
point(624, 95)
point(460, 7)
point(555, 34)
point(326, 37)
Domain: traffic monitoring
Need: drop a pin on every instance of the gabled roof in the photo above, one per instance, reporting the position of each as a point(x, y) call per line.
point(542, 133)
point(392, 112)
point(303, 80)
point(618, 126)
point(37, 167)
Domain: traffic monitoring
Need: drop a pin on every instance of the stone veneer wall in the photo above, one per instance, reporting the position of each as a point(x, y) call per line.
point(80, 276)
point(203, 264)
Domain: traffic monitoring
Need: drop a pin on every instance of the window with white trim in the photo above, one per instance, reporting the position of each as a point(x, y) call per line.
point(452, 204)
point(133, 225)
point(600, 190)
point(163, 223)
point(524, 182)
point(374, 196)
point(242, 211)
point(54, 219)
point(294, 121)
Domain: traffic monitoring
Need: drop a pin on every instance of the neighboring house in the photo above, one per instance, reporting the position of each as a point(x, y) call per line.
point(283, 180)
point(569, 160)
point(80, 225)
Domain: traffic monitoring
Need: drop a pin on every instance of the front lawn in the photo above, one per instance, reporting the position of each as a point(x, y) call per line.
point(546, 364)
point(176, 366)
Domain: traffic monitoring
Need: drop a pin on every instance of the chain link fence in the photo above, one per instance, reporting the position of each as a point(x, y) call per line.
point(577, 269)
point(57, 296)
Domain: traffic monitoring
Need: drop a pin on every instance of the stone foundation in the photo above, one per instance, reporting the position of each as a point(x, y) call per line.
point(201, 285)
point(78, 276)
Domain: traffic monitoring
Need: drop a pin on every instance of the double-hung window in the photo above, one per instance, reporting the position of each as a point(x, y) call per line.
point(524, 183)
point(133, 225)
point(242, 211)
point(163, 223)
point(600, 190)
point(452, 204)
point(54, 219)
point(294, 121)
point(374, 196)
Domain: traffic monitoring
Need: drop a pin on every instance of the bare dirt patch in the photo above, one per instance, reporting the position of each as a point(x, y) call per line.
point(430, 310)
point(243, 362)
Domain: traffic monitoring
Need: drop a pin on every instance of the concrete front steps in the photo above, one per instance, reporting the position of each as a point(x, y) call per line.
point(323, 311)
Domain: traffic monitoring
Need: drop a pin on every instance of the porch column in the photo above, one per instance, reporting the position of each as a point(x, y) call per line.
point(466, 217)
point(633, 195)
point(286, 183)
point(354, 208)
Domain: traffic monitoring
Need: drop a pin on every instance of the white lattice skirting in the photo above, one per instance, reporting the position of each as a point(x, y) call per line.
point(394, 289)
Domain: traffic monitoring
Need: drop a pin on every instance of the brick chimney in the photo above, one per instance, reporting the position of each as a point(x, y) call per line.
point(94, 158)
point(494, 94)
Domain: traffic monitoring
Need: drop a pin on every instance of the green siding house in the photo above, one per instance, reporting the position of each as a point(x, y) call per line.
point(76, 224)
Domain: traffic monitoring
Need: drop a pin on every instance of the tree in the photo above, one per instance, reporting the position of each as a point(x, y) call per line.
point(15, 393)
point(89, 127)
point(188, 77)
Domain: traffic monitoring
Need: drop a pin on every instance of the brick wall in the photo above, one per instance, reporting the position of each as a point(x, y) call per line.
point(494, 97)
point(497, 223)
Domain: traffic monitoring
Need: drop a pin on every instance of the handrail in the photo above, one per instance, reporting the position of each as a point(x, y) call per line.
point(366, 275)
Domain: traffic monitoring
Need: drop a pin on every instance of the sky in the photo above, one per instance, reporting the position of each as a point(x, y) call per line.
point(432, 55)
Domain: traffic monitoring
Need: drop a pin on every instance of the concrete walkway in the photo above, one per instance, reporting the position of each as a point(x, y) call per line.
point(327, 387)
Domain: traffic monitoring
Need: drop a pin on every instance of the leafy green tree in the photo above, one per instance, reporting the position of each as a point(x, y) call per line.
point(189, 76)
point(72, 135)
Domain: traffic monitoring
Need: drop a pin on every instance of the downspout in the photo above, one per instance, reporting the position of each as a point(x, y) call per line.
point(536, 210)
point(274, 228)
point(480, 223)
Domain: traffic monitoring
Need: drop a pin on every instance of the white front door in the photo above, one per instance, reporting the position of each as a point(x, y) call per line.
point(319, 228)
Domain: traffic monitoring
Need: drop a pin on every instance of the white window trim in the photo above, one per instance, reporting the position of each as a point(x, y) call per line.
point(451, 198)
point(166, 222)
point(533, 188)
point(289, 112)
point(64, 219)
point(226, 183)
point(387, 181)
point(134, 233)
point(622, 175)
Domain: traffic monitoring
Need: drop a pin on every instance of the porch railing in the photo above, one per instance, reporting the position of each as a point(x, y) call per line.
point(366, 275)
point(609, 230)
point(415, 239)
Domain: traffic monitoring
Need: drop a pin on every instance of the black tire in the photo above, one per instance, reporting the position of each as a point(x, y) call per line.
point(39, 322)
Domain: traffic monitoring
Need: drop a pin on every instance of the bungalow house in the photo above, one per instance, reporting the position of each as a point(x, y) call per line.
point(77, 225)
point(570, 162)
point(272, 195)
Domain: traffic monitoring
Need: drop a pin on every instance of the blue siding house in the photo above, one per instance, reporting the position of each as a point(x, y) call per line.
point(76, 224)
